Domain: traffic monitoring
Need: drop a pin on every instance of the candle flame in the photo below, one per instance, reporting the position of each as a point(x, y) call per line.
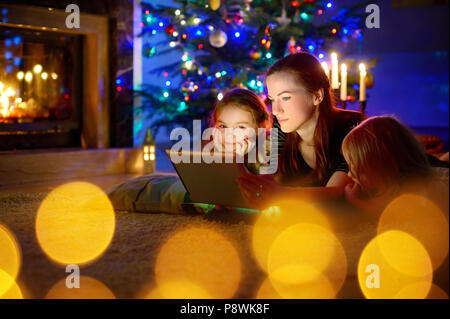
point(362, 69)
point(37, 68)
point(334, 56)
point(343, 68)
point(28, 76)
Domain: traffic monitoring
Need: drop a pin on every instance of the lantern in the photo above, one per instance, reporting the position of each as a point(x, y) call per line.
point(149, 153)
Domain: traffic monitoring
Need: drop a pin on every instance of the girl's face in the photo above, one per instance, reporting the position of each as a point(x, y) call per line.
point(292, 105)
point(369, 186)
point(351, 172)
point(235, 129)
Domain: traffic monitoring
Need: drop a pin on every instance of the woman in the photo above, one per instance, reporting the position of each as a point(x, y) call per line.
point(311, 165)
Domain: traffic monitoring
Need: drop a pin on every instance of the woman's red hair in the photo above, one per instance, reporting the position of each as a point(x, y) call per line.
point(311, 76)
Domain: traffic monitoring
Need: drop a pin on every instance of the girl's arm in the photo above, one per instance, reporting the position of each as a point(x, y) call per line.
point(372, 206)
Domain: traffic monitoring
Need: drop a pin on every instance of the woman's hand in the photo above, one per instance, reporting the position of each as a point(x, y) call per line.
point(259, 190)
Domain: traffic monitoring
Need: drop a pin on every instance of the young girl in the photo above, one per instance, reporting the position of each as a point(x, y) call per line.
point(385, 159)
point(236, 119)
point(241, 112)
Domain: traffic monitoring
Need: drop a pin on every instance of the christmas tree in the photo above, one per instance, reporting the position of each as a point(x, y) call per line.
point(231, 44)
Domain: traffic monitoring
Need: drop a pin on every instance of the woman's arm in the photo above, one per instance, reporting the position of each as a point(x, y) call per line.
point(261, 190)
point(333, 190)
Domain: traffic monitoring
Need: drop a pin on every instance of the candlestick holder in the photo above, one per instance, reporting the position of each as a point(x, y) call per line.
point(362, 106)
point(344, 104)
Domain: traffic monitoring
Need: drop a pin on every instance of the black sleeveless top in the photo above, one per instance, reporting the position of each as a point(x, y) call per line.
point(304, 175)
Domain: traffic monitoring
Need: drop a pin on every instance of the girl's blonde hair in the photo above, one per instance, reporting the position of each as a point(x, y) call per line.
point(246, 100)
point(382, 150)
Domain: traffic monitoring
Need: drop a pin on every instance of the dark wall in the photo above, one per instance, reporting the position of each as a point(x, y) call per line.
point(412, 77)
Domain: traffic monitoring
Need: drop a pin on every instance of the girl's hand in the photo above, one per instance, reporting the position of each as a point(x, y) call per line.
point(352, 192)
point(259, 190)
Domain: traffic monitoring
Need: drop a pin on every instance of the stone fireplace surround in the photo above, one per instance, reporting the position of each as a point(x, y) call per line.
point(99, 102)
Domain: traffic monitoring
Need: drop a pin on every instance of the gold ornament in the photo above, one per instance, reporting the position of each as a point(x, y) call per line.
point(214, 4)
point(218, 38)
point(255, 55)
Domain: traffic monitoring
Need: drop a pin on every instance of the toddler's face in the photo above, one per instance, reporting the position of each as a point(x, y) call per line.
point(351, 170)
point(235, 130)
point(368, 185)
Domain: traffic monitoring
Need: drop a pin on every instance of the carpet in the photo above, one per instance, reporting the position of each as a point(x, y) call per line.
point(127, 266)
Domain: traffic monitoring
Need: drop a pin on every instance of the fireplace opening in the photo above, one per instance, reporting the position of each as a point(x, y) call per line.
point(40, 88)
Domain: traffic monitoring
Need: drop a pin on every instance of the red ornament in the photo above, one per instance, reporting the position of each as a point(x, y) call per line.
point(295, 4)
point(200, 46)
point(169, 29)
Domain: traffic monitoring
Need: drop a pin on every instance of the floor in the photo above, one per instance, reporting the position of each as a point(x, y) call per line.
point(127, 267)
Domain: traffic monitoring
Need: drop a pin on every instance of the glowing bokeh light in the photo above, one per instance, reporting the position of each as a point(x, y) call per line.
point(8, 287)
point(269, 225)
point(90, 288)
point(266, 291)
point(421, 218)
point(302, 282)
point(437, 292)
point(307, 257)
point(75, 223)
point(199, 257)
point(178, 290)
point(400, 261)
point(10, 259)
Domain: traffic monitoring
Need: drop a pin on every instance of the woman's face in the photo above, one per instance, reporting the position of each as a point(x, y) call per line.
point(292, 105)
point(235, 130)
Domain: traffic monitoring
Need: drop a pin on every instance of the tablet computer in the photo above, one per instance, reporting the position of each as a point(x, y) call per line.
point(210, 179)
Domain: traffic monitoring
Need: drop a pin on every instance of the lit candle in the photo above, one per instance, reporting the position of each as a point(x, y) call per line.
point(343, 82)
point(326, 69)
point(362, 82)
point(334, 71)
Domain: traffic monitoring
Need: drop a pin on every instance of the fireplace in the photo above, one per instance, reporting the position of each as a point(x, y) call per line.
point(79, 106)
point(40, 88)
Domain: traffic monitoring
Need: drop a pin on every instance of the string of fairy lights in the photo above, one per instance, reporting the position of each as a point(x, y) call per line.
point(222, 49)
